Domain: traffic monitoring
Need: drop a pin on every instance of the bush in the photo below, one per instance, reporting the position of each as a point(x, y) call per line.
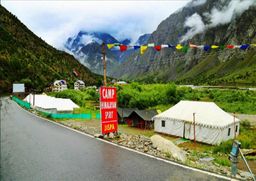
point(222, 161)
point(245, 124)
point(224, 147)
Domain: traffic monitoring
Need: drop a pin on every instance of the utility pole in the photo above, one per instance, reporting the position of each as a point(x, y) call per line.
point(104, 63)
point(0, 111)
point(234, 115)
point(194, 121)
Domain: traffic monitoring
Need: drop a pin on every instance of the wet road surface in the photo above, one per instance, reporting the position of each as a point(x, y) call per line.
point(35, 149)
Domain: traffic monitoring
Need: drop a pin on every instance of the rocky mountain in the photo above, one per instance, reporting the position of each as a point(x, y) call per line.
point(143, 39)
point(86, 47)
point(25, 58)
point(202, 22)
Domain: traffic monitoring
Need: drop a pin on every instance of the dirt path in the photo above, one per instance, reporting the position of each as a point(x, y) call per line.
point(251, 118)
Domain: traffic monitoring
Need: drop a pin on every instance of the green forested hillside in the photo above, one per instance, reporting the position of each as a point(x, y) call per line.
point(26, 58)
point(214, 67)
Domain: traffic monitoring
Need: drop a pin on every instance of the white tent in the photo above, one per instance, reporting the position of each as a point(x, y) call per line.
point(212, 124)
point(48, 103)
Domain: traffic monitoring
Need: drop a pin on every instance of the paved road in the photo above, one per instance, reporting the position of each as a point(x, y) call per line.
point(35, 149)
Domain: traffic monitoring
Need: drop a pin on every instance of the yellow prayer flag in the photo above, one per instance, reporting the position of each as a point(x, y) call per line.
point(214, 46)
point(253, 45)
point(179, 47)
point(110, 46)
point(143, 48)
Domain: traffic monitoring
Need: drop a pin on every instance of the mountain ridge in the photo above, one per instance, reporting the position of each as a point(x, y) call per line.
point(170, 65)
point(86, 47)
point(26, 58)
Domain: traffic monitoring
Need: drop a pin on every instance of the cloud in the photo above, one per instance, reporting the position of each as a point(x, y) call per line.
point(216, 17)
point(55, 21)
point(197, 3)
point(233, 9)
point(196, 25)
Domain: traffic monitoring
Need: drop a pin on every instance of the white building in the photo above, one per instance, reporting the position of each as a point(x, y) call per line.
point(59, 85)
point(212, 124)
point(79, 84)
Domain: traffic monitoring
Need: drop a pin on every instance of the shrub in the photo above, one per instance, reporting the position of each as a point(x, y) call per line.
point(222, 161)
point(224, 147)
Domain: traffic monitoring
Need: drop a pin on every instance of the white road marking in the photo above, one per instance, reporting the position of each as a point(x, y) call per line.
point(123, 147)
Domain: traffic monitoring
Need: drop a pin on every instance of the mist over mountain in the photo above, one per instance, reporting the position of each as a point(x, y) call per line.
point(86, 47)
point(201, 22)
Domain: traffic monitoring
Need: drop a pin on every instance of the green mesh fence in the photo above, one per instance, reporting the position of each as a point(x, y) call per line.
point(98, 116)
point(58, 115)
point(21, 102)
point(70, 116)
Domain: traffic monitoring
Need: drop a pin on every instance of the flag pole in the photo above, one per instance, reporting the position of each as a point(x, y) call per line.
point(104, 64)
point(194, 120)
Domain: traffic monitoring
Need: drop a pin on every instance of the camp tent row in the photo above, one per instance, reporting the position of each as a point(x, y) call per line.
point(45, 103)
point(212, 124)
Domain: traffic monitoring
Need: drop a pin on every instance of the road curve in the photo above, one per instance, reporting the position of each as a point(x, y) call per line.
point(35, 149)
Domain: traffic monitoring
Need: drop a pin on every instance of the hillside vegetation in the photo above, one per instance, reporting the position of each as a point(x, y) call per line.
point(214, 67)
point(163, 96)
point(26, 58)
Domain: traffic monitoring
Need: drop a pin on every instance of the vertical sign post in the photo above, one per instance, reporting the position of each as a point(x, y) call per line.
point(104, 64)
point(108, 110)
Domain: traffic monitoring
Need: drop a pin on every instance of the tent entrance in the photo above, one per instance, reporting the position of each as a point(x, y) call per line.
point(186, 130)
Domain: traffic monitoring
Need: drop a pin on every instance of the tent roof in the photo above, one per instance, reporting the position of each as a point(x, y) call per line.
point(206, 113)
point(125, 112)
point(48, 102)
point(146, 115)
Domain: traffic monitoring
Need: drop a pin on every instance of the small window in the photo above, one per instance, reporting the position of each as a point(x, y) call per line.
point(163, 123)
point(236, 128)
point(229, 129)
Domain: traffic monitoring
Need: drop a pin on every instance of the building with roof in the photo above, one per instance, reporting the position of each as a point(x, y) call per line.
point(212, 124)
point(123, 115)
point(79, 84)
point(59, 85)
point(142, 119)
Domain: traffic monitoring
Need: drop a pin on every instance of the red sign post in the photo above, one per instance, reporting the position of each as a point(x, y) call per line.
point(108, 110)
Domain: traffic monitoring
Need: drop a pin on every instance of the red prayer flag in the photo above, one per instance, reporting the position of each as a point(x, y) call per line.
point(123, 48)
point(192, 45)
point(158, 47)
point(230, 46)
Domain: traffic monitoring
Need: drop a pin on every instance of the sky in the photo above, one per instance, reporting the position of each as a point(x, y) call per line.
point(55, 21)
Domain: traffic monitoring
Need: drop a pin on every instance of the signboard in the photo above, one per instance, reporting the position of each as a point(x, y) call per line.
point(108, 110)
point(17, 88)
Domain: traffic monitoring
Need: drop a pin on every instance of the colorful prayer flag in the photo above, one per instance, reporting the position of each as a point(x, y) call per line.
point(192, 45)
point(200, 46)
point(143, 48)
point(158, 47)
point(151, 45)
point(222, 47)
point(214, 46)
point(136, 47)
point(164, 46)
point(207, 48)
point(244, 47)
point(185, 49)
point(179, 46)
point(110, 46)
point(123, 48)
point(171, 46)
point(230, 46)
